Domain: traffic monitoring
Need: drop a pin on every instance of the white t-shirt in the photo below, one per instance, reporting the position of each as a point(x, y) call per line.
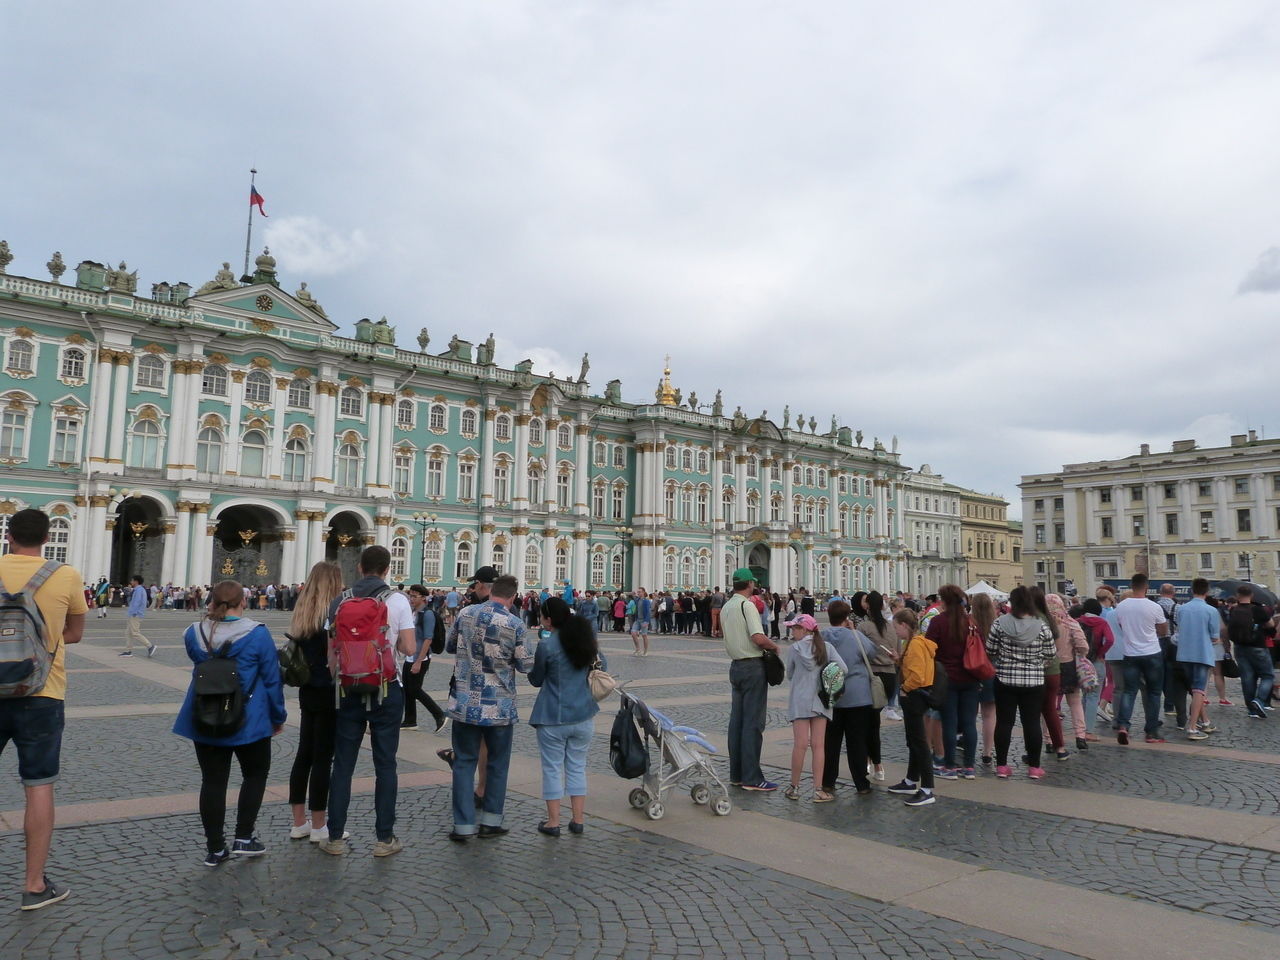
point(399, 617)
point(1138, 618)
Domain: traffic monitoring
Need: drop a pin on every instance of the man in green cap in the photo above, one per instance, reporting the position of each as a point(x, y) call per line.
point(745, 641)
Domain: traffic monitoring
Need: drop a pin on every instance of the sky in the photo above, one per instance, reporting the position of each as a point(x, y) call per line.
point(1013, 235)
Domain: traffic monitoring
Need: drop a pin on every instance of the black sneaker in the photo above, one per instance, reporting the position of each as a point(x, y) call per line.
point(903, 787)
point(487, 831)
point(51, 894)
point(125, 653)
point(441, 721)
point(252, 847)
point(216, 857)
point(1255, 710)
point(920, 799)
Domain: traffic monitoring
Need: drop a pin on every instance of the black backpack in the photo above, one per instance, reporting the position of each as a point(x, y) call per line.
point(627, 751)
point(437, 634)
point(217, 695)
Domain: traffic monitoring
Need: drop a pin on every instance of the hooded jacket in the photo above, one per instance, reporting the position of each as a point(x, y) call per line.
point(1019, 647)
point(259, 667)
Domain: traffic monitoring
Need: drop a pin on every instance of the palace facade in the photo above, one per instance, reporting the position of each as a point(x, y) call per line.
point(230, 432)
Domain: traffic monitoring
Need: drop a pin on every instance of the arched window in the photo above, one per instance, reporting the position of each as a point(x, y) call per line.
point(753, 507)
point(617, 573)
point(844, 520)
point(462, 561)
point(797, 511)
point(619, 457)
point(350, 402)
point(670, 457)
point(704, 461)
point(686, 570)
point(775, 472)
point(404, 413)
point(726, 504)
point(704, 570)
point(300, 394)
point(502, 481)
point(704, 504)
point(823, 514)
point(753, 468)
point(618, 504)
point(432, 560)
point(13, 434)
point(402, 471)
point(535, 432)
point(822, 479)
point(348, 465)
point(598, 454)
point(810, 508)
point(257, 387)
point(22, 356)
point(808, 477)
point(213, 380)
point(669, 569)
point(686, 503)
point(253, 454)
point(499, 558)
point(845, 582)
point(56, 547)
point(295, 460)
point(669, 500)
point(686, 460)
point(209, 450)
point(564, 478)
point(144, 450)
point(466, 480)
point(502, 427)
point(73, 364)
point(399, 558)
point(150, 371)
point(532, 565)
point(775, 508)
point(438, 421)
point(824, 567)
point(597, 569)
point(797, 476)
point(468, 423)
point(537, 486)
point(562, 564)
point(564, 436)
point(435, 474)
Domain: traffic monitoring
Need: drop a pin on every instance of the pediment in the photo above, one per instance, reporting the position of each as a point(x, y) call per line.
point(266, 302)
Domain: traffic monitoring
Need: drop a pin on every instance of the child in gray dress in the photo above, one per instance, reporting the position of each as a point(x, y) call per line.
point(808, 654)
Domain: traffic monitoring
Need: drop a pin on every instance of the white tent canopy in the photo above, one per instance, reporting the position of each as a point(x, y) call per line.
point(983, 587)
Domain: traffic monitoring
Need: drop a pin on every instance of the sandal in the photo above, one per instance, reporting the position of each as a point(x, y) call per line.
point(821, 796)
point(792, 792)
point(446, 755)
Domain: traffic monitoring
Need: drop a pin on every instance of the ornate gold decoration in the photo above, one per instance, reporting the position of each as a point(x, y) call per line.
point(282, 383)
point(666, 392)
point(111, 523)
point(238, 376)
point(74, 338)
point(99, 501)
point(408, 392)
point(211, 420)
point(487, 528)
point(70, 408)
point(288, 535)
point(490, 414)
point(262, 363)
point(228, 568)
point(23, 332)
point(581, 534)
point(344, 539)
point(297, 431)
point(170, 527)
point(327, 388)
point(248, 536)
point(219, 358)
point(354, 382)
point(351, 437)
point(368, 540)
point(261, 568)
point(382, 521)
point(123, 358)
point(153, 348)
point(148, 413)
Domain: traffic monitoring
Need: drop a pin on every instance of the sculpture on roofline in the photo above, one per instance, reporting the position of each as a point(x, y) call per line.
point(586, 365)
point(613, 391)
point(6, 257)
point(786, 417)
point(307, 300)
point(717, 405)
point(121, 280)
point(56, 267)
point(424, 340)
point(224, 279)
point(693, 401)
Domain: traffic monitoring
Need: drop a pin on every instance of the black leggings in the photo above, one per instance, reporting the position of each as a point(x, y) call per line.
point(215, 771)
point(314, 761)
point(1012, 702)
point(413, 695)
point(850, 725)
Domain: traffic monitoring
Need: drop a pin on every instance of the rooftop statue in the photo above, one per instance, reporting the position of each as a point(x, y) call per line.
point(383, 332)
point(6, 257)
point(224, 279)
point(56, 267)
point(613, 391)
point(307, 300)
point(586, 365)
point(424, 340)
point(717, 405)
point(121, 280)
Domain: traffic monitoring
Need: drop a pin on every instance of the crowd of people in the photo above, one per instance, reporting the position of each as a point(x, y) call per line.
point(961, 673)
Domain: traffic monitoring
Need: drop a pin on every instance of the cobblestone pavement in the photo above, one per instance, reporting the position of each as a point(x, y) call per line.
point(613, 893)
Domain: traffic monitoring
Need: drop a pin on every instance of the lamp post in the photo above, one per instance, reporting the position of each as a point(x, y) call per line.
point(624, 534)
point(424, 521)
point(737, 540)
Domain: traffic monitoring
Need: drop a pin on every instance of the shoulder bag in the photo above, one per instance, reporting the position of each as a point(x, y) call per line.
point(774, 670)
point(600, 682)
point(878, 698)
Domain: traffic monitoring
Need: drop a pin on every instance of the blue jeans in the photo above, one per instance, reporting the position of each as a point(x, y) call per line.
point(1149, 671)
point(563, 748)
point(1091, 697)
point(1257, 673)
point(962, 711)
point(750, 695)
point(467, 738)
point(383, 721)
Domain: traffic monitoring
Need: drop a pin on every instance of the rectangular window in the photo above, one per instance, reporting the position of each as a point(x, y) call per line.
point(562, 491)
point(1170, 491)
point(66, 440)
point(401, 472)
point(1017, 553)
point(1039, 533)
point(1060, 567)
point(597, 501)
point(1139, 526)
point(1242, 485)
point(1244, 521)
point(619, 457)
point(1275, 483)
point(13, 434)
point(1108, 528)
point(1171, 524)
point(466, 481)
point(1059, 533)
point(1206, 522)
point(1204, 488)
point(1057, 504)
point(1206, 561)
point(1135, 494)
point(1039, 505)
point(501, 483)
point(435, 477)
point(1039, 566)
point(1104, 495)
point(1171, 562)
point(619, 502)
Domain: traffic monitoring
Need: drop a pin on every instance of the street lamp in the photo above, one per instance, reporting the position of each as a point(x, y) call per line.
point(424, 521)
point(737, 540)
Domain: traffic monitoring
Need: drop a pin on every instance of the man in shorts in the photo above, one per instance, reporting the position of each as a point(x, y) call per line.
point(1199, 627)
point(642, 623)
point(34, 723)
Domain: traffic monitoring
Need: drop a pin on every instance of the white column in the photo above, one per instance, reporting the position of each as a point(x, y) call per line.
point(520, 500)
point(740, 489)
point(1224, 524)
point(231, 463)
point(519, 543)
point(788, 490)
point(326, 408)
point(182, 546)
point(548, 562)
point(1190, 529)
point(180, 418)
point(486, 461)
point(119, 424)
point(382, 534)
point(581, 478)
point(302, 546)
point(100, 416)
point(201, 547)
point(1091, 523)
point(386, 413)
point(275, 455)
point(373, 452)
point(718, 518)
point(578, 570)
point(93, 529)
point(194, 380)
point(1262, 525)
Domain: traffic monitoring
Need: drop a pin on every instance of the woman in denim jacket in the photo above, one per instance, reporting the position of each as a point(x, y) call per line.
point(564, 713)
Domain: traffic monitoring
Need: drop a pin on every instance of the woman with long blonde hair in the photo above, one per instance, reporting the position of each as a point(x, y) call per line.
point(313, 763)
point(983, 610)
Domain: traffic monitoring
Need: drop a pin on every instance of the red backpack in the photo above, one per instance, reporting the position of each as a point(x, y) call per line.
point(363, 649)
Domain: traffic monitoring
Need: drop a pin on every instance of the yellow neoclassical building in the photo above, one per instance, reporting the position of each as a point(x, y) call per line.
point(992, 545)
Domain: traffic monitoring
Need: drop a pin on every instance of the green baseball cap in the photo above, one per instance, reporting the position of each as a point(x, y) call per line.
point(744, 575)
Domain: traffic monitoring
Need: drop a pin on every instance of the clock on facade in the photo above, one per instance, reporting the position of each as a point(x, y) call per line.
point(265, 303)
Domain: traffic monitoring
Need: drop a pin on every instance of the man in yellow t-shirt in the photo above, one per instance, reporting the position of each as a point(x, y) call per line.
point(34, 723)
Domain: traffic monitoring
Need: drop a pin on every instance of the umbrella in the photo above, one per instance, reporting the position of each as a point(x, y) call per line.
point(1225, 589)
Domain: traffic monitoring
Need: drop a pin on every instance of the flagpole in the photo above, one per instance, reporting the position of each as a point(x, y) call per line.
point(248, 236)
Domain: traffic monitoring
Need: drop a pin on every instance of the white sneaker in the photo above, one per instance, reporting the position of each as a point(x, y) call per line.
point(300, 833)
point(322, 834)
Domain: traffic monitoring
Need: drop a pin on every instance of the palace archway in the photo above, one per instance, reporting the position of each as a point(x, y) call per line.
point(343, 542)
point(137, 541)
point(248, 546)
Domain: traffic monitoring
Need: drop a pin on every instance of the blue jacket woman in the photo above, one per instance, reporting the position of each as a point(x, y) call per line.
point(564, 712)
point(254, 652)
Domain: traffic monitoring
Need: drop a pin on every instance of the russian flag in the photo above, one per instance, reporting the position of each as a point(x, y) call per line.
point(256, 200)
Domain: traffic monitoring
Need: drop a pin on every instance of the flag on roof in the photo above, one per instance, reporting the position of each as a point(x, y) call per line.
point(256, 200)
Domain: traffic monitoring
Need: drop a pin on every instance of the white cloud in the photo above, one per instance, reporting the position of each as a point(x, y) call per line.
point(1265, 275)
point(306, 246)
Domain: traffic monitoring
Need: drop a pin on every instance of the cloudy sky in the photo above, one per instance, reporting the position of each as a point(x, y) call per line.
point(1012, 234)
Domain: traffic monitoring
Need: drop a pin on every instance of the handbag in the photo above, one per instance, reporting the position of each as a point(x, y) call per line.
point(976, 662)
point(294, 669)
point(1087, 676)
point(774, 671)
point(1230, 669)
point(600, 682)
point(878, 698)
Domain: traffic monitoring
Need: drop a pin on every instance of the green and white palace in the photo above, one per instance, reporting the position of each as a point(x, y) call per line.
point(230, 432)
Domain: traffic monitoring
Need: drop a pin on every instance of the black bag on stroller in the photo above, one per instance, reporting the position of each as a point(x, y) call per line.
point(628, 752)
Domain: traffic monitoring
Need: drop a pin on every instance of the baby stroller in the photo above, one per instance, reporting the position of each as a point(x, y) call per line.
point(684, 758)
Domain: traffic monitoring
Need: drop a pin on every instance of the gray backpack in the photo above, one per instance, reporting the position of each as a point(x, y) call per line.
point(25, 657)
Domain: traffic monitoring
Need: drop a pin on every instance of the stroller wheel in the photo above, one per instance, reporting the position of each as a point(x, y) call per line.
point(656, 810)
point(722, 807)
point(700, 794)
point(638, 798)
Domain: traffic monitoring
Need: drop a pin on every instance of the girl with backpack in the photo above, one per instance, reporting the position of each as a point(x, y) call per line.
point(564, 713)
point(808, 656)
point(313, 763)
point(233, 707)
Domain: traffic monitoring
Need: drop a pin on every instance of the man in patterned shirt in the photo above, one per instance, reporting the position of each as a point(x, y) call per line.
point(492, 645)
